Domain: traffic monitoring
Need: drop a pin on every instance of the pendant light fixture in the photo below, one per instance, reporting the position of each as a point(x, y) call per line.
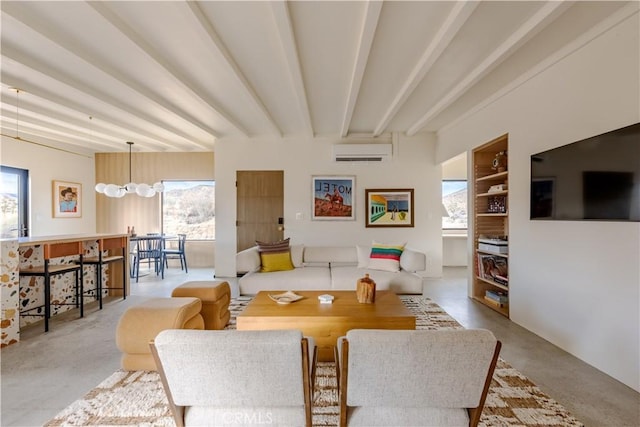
point(143, 190)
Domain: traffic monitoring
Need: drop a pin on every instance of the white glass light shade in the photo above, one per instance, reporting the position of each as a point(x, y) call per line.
point(159, 187)
point(121, 192)
point(131, 187)
point(144, 190)
point(112, 190)
point(100, 187)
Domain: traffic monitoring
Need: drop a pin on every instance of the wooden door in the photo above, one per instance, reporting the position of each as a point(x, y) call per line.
point(260, 209)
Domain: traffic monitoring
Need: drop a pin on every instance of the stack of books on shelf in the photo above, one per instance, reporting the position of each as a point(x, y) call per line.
point(495, 245)
point(496, 298)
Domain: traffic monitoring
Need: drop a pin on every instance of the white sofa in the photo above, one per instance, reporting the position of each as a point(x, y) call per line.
point(329, 268)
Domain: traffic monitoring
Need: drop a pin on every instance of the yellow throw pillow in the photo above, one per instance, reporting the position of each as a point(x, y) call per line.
point(275, 261)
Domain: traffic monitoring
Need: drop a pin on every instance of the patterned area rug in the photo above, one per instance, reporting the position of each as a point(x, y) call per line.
point(137, 398)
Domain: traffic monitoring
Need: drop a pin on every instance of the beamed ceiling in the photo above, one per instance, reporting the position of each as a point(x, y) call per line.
point(177, 75)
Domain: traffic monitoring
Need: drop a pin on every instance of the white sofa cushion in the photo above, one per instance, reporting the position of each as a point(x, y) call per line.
point(325, 255)
point(296, 255)
point(413, 261)
point(298, 279)
point(346, 278)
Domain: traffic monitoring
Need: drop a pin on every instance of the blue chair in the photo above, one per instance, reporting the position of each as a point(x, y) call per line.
point(149, 249)
point(176, 253)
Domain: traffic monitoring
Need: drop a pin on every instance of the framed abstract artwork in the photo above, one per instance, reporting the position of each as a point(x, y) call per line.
point(389, 207)
point(67, 199)
point(333, 197)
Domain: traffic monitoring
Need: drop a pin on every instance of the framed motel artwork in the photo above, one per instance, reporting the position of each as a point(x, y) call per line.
point(333, 197)
point(67, 199)
point(389, 207)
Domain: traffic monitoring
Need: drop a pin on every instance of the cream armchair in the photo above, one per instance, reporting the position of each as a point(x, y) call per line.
point(408, 378)
point(218, 378)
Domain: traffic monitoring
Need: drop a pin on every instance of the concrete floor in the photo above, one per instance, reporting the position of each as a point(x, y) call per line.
point(44, 373)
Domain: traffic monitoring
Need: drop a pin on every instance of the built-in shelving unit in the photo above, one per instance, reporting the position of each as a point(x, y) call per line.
point(491, 224)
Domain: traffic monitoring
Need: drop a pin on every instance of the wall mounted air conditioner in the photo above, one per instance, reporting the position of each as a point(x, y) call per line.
point(362, 152)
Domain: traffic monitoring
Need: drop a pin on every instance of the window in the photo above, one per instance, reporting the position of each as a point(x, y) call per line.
point(188, 207)
point(454, 200)
point(14, 196)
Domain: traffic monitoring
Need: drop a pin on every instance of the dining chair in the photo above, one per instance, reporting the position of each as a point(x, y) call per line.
point(148, 248)
point(52, 251)
point(176, 253)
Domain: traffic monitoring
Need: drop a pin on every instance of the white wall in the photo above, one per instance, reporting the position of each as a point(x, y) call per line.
point(575, 283)
point(412, 166)
point(45, 165)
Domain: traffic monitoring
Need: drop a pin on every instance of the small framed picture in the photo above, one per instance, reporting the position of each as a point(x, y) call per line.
point(67, 199)
point(389, 208)
point(333, 198)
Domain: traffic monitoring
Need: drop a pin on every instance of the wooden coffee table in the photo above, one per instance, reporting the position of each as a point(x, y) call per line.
point(326, 322)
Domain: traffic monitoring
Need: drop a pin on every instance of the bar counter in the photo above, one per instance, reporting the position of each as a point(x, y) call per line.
point(18, 293)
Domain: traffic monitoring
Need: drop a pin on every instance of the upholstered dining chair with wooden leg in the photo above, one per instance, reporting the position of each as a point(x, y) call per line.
point(235, 377)
point(408, 378)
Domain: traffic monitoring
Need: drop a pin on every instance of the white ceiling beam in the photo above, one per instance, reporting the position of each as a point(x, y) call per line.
point(180, 78)
point(70, 125)
point(114, 126)
point(43, 141)
point(592, 33)
point(231, 63)
point(460, 12)
point(34, 128)
point(38, 134)
point(369, 24)
point(546, 14)
point(93, 61)
point(288, 42)
point(36, 66)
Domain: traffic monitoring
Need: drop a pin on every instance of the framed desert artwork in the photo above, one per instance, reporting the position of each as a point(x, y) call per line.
point(333, 197)
point(67, 199)
point(389, 207)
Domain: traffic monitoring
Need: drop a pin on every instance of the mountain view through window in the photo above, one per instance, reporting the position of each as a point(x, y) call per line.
point(188, 207)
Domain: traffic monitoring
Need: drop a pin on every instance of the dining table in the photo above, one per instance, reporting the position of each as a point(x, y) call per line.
point(134, 239)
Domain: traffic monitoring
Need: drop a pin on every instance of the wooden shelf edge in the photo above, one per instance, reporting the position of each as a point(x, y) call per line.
point(491, 282)
point(495, 193)
point(492, 253)
point(493, 176)
point(493, 214)
point(502, 310)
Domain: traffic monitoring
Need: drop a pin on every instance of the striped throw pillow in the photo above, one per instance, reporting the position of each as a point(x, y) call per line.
point(385, 257)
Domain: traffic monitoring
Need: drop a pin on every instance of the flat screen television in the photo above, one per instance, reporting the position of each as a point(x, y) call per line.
point(597, 179)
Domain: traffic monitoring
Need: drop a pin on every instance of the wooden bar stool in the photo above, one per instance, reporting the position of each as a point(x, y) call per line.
point(111, 246)
point(51, 251)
